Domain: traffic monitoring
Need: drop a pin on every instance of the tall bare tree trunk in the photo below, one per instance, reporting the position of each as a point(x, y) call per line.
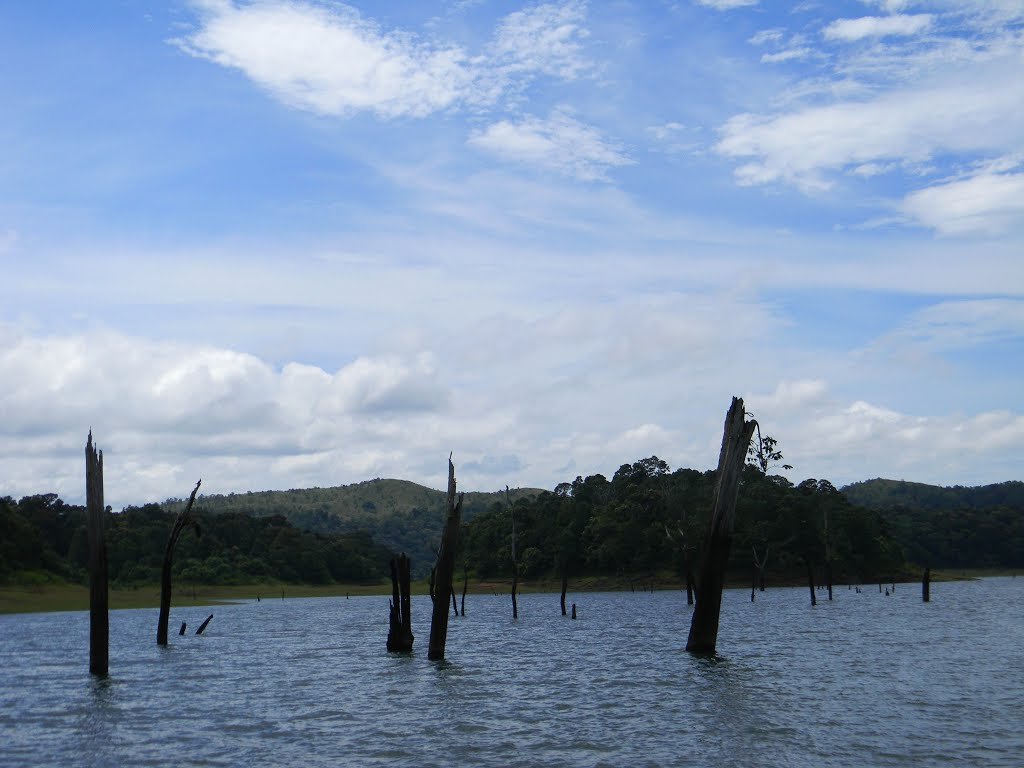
point(465, 586)
point(926, 585)
point(400, 637)
point(515, 559)
point(810, 581)
point(565, 586)
point(444, 570)
point(99, 617)
point(735, 439)
point(181, 522)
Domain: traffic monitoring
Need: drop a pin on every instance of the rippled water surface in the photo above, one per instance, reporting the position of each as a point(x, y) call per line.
point(865, 680)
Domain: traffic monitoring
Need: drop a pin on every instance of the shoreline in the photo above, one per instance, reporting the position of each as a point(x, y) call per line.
point(53, 597)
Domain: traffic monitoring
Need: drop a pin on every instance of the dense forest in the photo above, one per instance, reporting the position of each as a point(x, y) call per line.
point(645, 522)
point(42, 537)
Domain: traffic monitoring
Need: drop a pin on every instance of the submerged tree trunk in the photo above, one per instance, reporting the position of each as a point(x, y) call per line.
point(99, 617)
point(181, 522)
point(465, 586)
point(926, 585)
point(691, 585)
point(565, 586)
point(455, 604)
point(810, 581)
point(444, 569)
point(735, 439)
point(515, 559)
point(400, 637)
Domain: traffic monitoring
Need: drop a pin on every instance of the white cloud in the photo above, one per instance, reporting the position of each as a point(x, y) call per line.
point(766, 36)
point(726, 5)
point(976, 111)
point(966, 324)
point(850, 30)
point(559, 143)
point(986, 203)
point(790, 54)
point(329, 60)
point(543, 38)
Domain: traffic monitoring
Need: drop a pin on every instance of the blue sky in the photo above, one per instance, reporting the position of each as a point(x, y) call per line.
point(284, 244)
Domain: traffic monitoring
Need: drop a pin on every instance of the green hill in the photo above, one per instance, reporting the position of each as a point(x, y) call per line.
point(400, 515)
point(952, 527)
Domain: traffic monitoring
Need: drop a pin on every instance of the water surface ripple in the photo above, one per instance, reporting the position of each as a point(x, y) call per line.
point(866, 680)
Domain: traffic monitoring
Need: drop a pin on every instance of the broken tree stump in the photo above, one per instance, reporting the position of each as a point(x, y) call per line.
point(400, 637)
point(926, 586)
point(181, 522)
point(182, 630)
point(99, 617)
point(735, 439)
point(203, 626)
point(444, 570)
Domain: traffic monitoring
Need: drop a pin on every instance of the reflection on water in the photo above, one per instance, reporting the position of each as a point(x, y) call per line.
point(864, 680)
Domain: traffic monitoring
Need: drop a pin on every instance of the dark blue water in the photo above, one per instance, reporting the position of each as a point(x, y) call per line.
point(864, 681)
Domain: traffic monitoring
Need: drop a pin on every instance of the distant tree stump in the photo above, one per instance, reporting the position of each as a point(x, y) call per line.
point(202, 627)
point(926, 585)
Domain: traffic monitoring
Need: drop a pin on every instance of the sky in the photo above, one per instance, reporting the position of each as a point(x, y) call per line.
point(290, 243)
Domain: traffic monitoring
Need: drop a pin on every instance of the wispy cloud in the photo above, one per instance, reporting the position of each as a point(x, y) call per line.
point(330, 60)
point(986, 203)
point(727, 5)
point(877, 26)
point(546, 39)
point(559, 142)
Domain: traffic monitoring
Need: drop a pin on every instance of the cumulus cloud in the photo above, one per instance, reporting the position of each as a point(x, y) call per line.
point(559, 142)
point(849, 30)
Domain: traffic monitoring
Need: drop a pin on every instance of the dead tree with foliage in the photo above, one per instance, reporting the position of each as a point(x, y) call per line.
point(400, 637)
point(444, 570)
point(181, 522)
point(99, 617)
point(735, 439)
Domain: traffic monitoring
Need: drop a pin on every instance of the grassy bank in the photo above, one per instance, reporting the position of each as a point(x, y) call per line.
point(73, 597)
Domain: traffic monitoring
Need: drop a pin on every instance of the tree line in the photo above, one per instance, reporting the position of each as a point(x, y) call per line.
point(646, 521)
point(41, 537)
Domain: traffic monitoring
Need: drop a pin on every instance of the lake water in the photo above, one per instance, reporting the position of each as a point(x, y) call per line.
point(866, 680)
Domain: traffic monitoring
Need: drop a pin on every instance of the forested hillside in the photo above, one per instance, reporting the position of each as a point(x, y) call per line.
point(951, 527)
point(399, 515)
point(645, 521)
point(42, 537)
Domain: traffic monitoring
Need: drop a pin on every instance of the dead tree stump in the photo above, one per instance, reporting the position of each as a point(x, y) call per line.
point(202, 627)
point(181, 522)
point(444, 570)
point(926, 586)
point(565, 586)
point(99, 618)
point(735, 439)
point(400, 637)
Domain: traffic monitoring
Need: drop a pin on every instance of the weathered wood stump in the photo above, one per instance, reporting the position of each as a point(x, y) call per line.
point(926, 585)
point(202, 627)
point(182, 521)
point(444, 570)
point(735, 439)
point(400, 637)
point(182, 630)
point(99, 618)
